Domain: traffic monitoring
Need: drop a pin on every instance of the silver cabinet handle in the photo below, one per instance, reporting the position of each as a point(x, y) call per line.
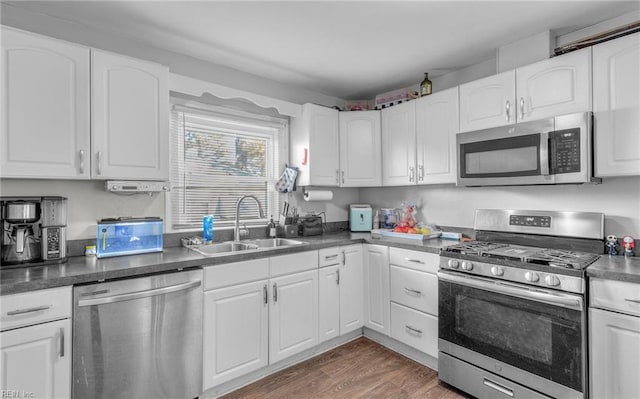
point(411, 173)
point(632, 300)
point(414, 260)
point(344, 258)
point(521, 107)
point(343, 177)
point(139, 294)
point(29, 310)
point(498, 387)
point(265, 294)
point(421, 173)
point(275, 292)
point(338, 277)
point(507, 109)
point(99, 163)
point(412, 291)
point(413, 330)
point(334, 256)
point(61, 342)
point(337, 176)
point(81, 155)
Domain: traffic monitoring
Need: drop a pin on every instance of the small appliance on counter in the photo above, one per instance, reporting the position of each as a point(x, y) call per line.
point(309, 226)
point(360, 217)
point(34, 230)
point(128, 236)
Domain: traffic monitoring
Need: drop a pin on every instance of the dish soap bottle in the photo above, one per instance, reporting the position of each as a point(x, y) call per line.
point(376, 220)
point(425, 85)
point(207, 229)
point(272, 228)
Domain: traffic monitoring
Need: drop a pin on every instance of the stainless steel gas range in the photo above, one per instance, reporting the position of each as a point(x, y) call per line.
point(512, 307)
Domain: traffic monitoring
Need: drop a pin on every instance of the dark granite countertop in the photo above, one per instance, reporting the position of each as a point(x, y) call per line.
point(619, 268)
point(89, 269)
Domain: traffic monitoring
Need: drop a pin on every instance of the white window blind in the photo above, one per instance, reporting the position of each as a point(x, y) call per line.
point(217, 158)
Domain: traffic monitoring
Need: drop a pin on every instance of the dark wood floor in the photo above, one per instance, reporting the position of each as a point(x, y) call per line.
point(358, 369)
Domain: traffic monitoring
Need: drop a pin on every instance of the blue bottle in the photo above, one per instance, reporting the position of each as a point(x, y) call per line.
point(207, 228)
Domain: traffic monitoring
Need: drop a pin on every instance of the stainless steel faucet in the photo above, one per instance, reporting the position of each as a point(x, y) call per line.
point(236, 230)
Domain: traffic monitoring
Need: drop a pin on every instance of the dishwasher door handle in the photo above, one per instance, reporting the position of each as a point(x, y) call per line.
point(139, 294)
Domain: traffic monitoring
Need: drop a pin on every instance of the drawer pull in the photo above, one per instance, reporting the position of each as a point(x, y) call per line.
point(414, 260)
point(498, 387)
point(632, 300)
point(412, 291)
point(334, 256)
point(30, 310)
point(413, 330)
point(62, 342)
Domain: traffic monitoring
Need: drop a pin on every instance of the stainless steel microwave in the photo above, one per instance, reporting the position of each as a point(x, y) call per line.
point(548, 151)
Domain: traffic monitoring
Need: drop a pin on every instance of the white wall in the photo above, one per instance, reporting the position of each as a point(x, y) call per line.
point(87, 202)
point(617, 198)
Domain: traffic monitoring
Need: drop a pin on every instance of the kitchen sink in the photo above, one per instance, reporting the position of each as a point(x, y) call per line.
point(275, 242)
point(234, 247)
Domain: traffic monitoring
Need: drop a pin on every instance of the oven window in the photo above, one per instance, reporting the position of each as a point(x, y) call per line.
point(506, 157)
point(542, 339)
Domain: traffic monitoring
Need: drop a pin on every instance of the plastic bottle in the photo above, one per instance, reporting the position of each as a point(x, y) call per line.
point(376, 220)
point(207, 228)
point(272, 228)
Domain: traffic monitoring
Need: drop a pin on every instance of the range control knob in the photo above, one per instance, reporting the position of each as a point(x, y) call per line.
point(552, 280)
point(531, 277)
point(453, 263)
point(468, 266)
point(497, 270)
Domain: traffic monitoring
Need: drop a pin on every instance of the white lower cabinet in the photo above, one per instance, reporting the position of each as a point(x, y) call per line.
point(341, 290)
point(36, 346)
point(376, 288)
point(414, 299)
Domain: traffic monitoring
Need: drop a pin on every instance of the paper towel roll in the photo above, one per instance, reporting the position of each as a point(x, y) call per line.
point(318, 195)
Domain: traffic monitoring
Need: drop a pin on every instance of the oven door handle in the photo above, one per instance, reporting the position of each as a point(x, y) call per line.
point(568, 301)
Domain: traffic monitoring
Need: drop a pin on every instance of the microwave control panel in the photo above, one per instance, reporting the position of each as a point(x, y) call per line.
point(565, 151)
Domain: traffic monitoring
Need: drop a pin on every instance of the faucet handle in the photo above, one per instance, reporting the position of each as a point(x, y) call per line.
point(244, 231)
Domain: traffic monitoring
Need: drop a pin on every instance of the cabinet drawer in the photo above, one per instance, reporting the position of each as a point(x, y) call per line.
point(416, 329)
point(236, 273)
point(36, 307)
point(423, 261)
point(417, 290)
point(293, 263)
point(620, 296)
point(329, 256)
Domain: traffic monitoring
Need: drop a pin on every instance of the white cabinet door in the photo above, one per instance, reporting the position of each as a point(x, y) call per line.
point(376, 288)
point(437, 123)
point(556, 86)
point(488, 102)
point(614, 360)
point(329, 299)
point(44, 107)
point(36, 360)
point(235, 336)
point(130, 118)
point(399, 145)
point(616, 106)
point(315, 145)
point(360, 153)
point(293, 314)
point(351, 289)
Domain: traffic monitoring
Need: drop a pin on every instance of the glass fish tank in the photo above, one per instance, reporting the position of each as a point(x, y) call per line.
point(128, 236)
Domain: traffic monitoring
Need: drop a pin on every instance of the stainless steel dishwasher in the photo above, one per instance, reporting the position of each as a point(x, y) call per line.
point(139, 338)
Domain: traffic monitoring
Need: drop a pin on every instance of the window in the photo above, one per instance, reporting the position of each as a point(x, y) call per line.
point(218, 156)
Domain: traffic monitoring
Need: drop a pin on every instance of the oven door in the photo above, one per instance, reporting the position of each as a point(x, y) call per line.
point(532, 336)
point(506, 155)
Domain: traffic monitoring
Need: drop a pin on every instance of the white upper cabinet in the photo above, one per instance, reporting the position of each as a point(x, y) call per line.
point(437, 122)
point(616, 106)
point(314, 146)
point(488, 102)
point(44, 107)
point(556, 86)
point(130, 118)
point(399, 144)
point(360, 154)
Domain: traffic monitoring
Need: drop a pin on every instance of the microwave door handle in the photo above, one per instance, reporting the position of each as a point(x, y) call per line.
point(544, 153)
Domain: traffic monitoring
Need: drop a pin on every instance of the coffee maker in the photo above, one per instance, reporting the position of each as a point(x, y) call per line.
point(34, 230)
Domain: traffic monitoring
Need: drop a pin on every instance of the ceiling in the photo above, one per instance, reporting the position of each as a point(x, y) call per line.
point(350, 50)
